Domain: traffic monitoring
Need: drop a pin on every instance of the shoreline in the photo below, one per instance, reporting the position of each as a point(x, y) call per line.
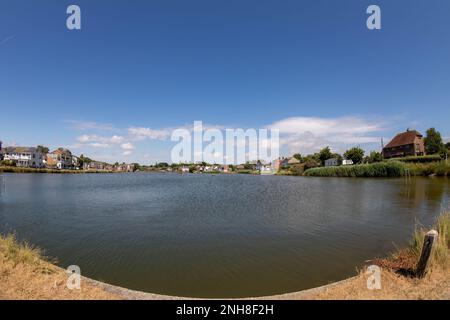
point(129, 294)
point(387, 169)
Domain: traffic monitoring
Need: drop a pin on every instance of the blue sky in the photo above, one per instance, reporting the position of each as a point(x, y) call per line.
point(115, 89)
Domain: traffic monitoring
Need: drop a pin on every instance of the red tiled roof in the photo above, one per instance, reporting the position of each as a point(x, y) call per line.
point(404, 138)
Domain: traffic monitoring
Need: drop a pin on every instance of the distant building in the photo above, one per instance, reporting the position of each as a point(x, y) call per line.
point(333, 162)
point(266, 169)
point(94, 165)
point(292, 161)
point(24, 156)
point(185, 169)
point(283, 163)
point(347, 162)
point(124, 167)
point(409, 143)
point(60, 158)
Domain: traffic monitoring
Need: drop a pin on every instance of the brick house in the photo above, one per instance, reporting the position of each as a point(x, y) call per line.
point(408, 143)
point(60, 158)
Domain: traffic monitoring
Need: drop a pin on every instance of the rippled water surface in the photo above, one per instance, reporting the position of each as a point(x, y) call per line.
point(216, 236)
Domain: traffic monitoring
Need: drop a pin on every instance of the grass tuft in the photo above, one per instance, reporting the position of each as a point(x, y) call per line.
point(441, 256)
point(21, 252)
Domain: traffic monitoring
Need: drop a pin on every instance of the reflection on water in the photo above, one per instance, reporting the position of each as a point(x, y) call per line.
point(217, 236)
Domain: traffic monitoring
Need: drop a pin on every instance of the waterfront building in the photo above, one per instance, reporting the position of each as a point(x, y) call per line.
point(408, 143)
point(333, 162)
point(60, 158)
point(28, 157)
point(347, 162)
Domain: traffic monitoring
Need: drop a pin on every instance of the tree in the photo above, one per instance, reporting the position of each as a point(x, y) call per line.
point(433, 142)
point(42, 149)
point(298, 156)
point(355, 154)
point(447, 145)
point(374, 156)
point(310, 163)
point(162, 165)
point(325, 154)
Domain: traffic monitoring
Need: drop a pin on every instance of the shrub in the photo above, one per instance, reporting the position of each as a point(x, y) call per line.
point(380, 169)
point(419, 159)
point(8, 163)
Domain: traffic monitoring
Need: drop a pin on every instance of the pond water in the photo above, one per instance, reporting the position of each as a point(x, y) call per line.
point(217, 235)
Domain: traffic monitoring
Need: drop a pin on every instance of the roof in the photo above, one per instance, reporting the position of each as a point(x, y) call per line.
point(404, 138)
point(62, 151)
point(293, 161)
point(19, 150)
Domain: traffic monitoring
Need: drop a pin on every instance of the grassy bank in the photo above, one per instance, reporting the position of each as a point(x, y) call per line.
point(26, 274)
point(398, 280)
point(34, 170)
point(383, 169)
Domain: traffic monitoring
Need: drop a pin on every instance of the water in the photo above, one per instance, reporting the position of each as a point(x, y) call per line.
point(217, 236)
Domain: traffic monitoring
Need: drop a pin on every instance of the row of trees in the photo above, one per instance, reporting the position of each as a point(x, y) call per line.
point(356, 154)
point(433, 145)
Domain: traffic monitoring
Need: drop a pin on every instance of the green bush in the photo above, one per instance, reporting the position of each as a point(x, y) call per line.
point(425, 169)
point(383, 169)
point(380, 169)
point(7, 163)
point(419, 159)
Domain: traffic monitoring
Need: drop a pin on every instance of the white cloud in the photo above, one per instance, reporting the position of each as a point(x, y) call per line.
point(140, 133)
point(115, 139)
point(310, 134)
point(127, 146)
point(99, 145)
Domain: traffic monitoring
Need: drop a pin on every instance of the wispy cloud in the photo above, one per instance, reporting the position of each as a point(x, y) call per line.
point(89, 125)
point(2, 42)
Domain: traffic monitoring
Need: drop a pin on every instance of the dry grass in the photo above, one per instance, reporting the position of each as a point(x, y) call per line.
point(25, 274)
point(398, 273)
point(394, 286)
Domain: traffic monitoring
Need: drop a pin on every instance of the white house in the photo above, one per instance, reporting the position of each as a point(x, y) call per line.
point(331, 162)
point(24, 156)
point(347, 162)
point(266, 169)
